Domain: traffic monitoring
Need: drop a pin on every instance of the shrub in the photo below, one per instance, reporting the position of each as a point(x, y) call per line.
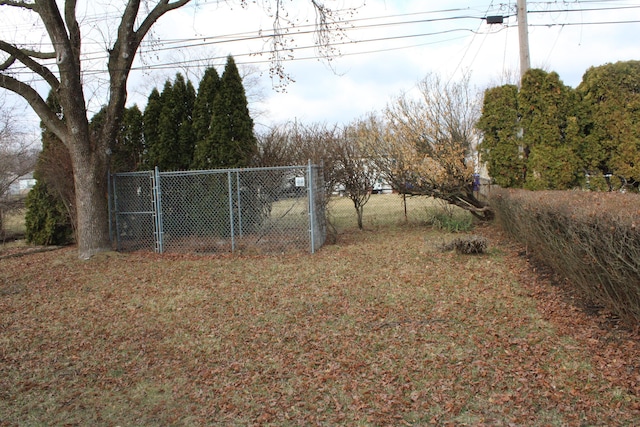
point(590, 238)
point(46, 220)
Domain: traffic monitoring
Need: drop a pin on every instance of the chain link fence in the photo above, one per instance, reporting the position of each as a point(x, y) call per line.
point(265, 210)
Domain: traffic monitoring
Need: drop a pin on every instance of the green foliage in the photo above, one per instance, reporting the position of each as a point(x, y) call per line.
point(46, 220)
point(171, 147)
point(231, 141)
point(547, 109)
point(150, 121)
point(611, 98)
point(203, 115)
point(210, 130)
point(584, 137)
point(450, 218)
point(500, 148)
point(128, 148)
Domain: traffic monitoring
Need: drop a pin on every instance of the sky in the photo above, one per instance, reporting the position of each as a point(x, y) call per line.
point(384, 49)
point(388, 46)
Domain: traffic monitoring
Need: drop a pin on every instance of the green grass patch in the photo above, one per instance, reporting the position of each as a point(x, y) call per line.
point(382, 210)
point(453, 219)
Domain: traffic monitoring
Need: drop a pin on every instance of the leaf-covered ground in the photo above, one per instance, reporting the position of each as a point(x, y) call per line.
point(379, 329)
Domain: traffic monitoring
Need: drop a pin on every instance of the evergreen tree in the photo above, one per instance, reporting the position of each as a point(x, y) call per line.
point(610, 96)
point(184, 96)
point(532, 137)
point(231, 140)
point(501, 149)
point(50, 204)
point(202, 116)
point(128, 148)
point(46, 221)
point(172, 147)
point(550, 143)
point(150, 120)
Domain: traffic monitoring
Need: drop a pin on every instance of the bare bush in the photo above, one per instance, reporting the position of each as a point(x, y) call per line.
point(467, 245)
point(592, 239)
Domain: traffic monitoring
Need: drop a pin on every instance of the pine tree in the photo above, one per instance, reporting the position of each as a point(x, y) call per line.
point(232, 141)
point(202, 117)
point(130, 144)
point(128, 148)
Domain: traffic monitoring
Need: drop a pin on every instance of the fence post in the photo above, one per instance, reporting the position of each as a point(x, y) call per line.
point(115, 213)
point(231, 219)
point(312, 216)
point(157, 206)
point(239, 202)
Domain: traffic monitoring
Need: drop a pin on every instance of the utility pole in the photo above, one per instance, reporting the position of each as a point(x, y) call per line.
point(523, 36)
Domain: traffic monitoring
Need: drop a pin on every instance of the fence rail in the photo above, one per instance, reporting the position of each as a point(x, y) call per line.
point(266, 210)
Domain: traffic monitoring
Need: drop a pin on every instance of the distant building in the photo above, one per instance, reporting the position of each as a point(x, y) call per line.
point(22, 185)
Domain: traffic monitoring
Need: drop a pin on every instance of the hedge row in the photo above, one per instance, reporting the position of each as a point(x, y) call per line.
point(592, 239)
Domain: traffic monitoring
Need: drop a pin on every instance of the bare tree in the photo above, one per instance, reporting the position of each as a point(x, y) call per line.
point(355, 170)
point(61, 66)
point(426, 144)
point(17, 159)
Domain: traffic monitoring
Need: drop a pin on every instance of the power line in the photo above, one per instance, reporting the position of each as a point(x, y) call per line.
point(151, 47)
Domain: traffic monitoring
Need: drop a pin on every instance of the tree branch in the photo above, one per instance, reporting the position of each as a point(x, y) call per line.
point(72, 26)
point(8, 63)
point(160, 9)
point(22, 4)
point(36, 102)
point(25, 57)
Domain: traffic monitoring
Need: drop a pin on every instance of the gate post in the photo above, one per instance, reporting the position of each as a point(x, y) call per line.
point(231, 217)
point(312, 206)
point(157, 207)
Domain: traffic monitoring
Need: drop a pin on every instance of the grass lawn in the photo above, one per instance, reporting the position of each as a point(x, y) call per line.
point(380, 328)
point(382, 210)
point(13, 223)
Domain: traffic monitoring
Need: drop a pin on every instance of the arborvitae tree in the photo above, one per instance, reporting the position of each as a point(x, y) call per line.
point(532, 136)
point(150, 120)
point(501, 149)
point(184, 97)
point(550, 144)
point(128, 148)
point(610, 95)
point(231, 141)
point(172, 147)
point(50, 204)
point(162, 151)
point(46, 220)
point(202, 116)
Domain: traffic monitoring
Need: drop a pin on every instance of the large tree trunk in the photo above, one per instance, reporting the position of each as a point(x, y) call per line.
point(92, 208)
